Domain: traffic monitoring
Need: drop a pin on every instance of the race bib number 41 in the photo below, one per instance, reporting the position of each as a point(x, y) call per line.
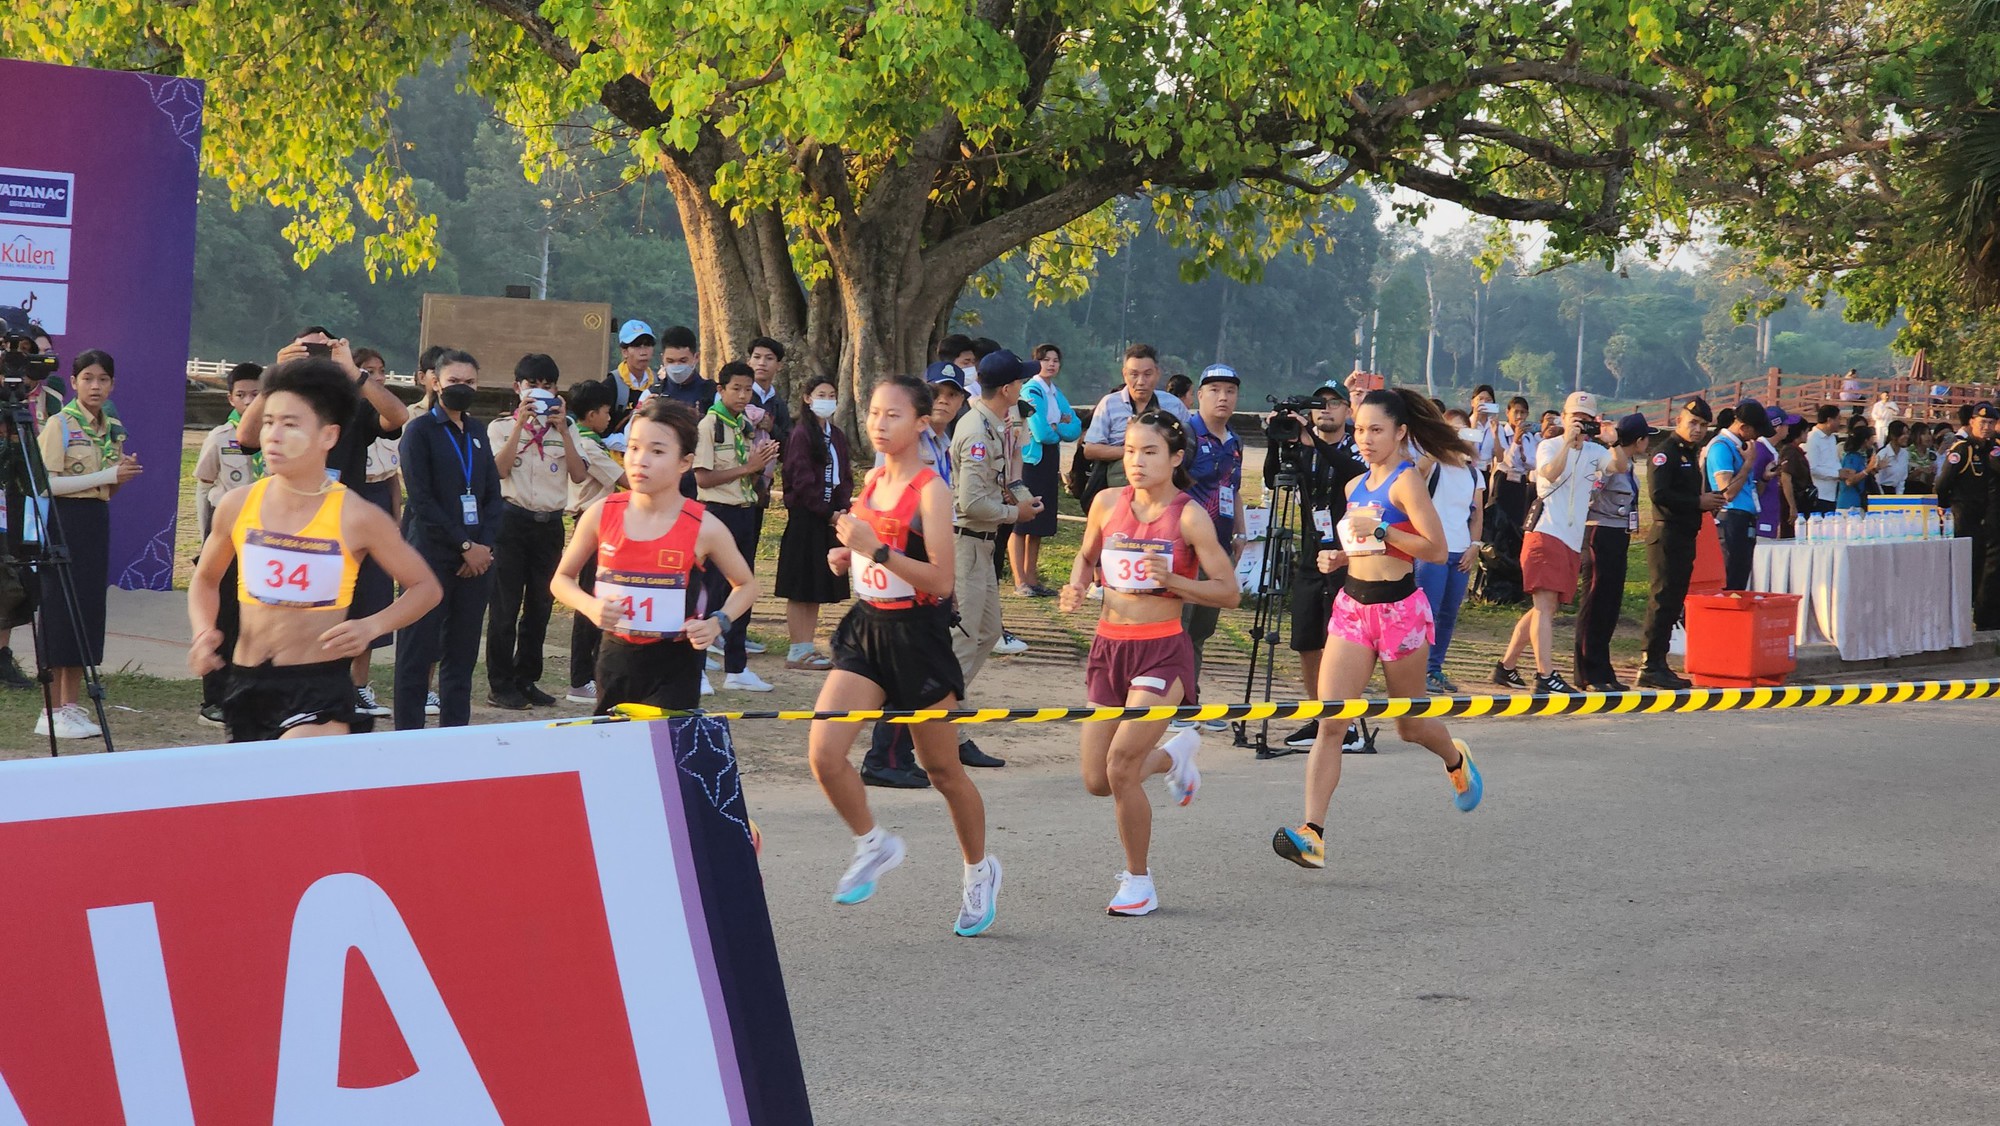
point(295, 571)
point(649, 605)
point(1122, 557)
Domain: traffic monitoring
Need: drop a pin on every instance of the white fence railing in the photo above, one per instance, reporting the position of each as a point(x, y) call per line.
point(211, 373)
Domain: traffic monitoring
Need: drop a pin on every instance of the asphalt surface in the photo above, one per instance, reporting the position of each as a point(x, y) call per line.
point(1780, 917)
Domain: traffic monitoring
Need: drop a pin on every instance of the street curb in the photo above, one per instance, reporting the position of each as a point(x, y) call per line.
point(1817, 661)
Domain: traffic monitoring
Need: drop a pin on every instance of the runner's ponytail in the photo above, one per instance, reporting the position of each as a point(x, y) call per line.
point(1428, 429)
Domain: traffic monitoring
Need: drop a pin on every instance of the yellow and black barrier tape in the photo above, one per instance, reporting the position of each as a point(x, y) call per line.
point(1508, 706)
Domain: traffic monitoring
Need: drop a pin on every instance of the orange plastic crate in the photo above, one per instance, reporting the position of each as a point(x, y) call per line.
point(1741, 638)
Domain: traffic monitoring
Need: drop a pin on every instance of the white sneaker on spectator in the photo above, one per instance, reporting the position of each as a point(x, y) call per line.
point(747, 681)
point(80, 720)
point(1009, 645)
point(1095, 593)
point(752, 647)
point(585, 695)
point(70, 722)
point(707, 689)
point(431, 704)
point(714, 662)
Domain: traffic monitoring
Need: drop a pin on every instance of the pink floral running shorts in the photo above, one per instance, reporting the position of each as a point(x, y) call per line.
point(1393, 629)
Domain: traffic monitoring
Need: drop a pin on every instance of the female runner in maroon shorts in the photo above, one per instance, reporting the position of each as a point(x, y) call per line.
point(1147, 540)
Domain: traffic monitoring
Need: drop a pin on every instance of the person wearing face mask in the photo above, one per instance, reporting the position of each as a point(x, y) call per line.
point(962, 353)
point(680, 371)
point(453, 516)
point(818, 481)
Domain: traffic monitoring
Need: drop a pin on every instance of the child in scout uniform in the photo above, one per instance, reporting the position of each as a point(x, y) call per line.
point(298, 544)
point(590, 406)
point(222, 467)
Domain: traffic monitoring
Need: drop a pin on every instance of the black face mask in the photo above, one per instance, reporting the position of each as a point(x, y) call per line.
point(457, 397)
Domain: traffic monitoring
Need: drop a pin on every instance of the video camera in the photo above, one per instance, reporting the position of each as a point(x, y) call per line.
point(22, 362)
point(1285, 430)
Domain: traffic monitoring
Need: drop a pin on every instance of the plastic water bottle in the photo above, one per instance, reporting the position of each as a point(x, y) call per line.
point(1803, 530)
point(1949, 530)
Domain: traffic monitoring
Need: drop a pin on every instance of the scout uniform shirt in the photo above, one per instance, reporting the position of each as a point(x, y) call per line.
point(73, 447)
point(722, 442)
point(981, 454)
point(601, 471)
point(223, 466)
point(538, 481)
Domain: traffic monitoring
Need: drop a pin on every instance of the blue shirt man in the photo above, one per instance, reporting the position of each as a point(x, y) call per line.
point(1215, 467)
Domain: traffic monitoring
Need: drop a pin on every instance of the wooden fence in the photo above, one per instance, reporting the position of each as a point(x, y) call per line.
point(211, 373)
point(1803, 394)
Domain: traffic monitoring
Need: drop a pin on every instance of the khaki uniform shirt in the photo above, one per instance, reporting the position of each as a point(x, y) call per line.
point(222, 467)
point(538, 481)
point(69, 451)
point(385, 459)
point(727, 453)
point(601, 472)
point(984, 483)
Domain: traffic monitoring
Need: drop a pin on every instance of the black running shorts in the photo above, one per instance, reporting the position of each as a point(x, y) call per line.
point(907, 652)
point(659, 674)
point(265, 701)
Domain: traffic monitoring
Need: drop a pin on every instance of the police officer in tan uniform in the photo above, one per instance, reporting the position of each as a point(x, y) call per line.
point(987, 492)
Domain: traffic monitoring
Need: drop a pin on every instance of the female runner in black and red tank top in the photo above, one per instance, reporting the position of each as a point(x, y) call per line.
point(1147, 540)
point(647, 543)
point(894, 648)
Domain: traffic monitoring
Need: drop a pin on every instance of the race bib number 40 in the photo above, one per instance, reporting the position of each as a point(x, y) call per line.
point(649, 605)
point(295, 571)
point(877, 583)
point(1122, 557)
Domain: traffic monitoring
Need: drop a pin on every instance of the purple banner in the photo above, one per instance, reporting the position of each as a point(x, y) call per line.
point(97, 242)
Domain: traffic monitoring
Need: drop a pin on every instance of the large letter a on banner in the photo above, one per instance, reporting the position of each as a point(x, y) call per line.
point(344, 912)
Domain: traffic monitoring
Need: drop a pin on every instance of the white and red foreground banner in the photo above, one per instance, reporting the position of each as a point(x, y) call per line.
point(517, 924)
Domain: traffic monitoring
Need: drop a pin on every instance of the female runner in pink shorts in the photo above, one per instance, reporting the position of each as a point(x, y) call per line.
point(1380, 614)
point(1147, 540)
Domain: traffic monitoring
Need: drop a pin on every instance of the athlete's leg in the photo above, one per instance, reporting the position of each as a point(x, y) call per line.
point(1405, 677)
point(1343, 675)
point(937, 753)
point(1094, 743)
point(1134, 756)
point(828, 744)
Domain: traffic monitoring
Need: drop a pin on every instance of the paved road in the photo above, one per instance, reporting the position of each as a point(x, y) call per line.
point(1770, 918)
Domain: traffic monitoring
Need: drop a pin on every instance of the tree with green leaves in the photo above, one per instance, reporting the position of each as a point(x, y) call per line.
point(842, 170)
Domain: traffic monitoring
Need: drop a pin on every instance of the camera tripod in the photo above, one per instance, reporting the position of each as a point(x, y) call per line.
point(34, 546)
point(1273, 606)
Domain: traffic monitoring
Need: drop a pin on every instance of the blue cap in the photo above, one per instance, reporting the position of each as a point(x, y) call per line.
point(1218, 373)
point(633, 330)
point(942, 372)
point(1003, 367)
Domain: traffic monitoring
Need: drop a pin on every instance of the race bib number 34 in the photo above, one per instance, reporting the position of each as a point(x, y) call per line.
point(1121, 559)
point(649, 605)
point(295, 571)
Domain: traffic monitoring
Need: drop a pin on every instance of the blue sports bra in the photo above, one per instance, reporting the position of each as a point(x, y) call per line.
point(1392, 517)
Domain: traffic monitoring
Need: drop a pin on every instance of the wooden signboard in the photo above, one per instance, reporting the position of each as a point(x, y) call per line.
point(500, 330)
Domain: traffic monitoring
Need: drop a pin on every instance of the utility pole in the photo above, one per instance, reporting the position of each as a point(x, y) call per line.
point(1431, 337)
point(1579, 346)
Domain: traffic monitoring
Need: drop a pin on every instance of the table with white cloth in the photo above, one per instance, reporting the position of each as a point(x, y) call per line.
point(1873, 599)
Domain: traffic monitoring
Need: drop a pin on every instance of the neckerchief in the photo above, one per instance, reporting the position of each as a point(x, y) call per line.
point(592, 435)
point(738, 426)
point(107, 442)
point(625, 377)
point(537, 433)
point(257, 458)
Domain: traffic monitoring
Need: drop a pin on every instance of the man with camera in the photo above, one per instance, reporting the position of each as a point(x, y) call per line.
point(1315, 449)
point(29, 369)
point(538, 455)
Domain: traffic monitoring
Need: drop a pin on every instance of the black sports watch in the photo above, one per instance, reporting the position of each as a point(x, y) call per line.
point(464, 546)
point(880, 554)
point(1382, 533)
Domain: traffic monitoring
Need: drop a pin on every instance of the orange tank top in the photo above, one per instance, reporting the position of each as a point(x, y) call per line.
point(650, 580)
point(1127, 540)
point(897, 527)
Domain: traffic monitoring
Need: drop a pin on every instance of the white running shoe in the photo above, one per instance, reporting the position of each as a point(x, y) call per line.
point(1135, 896)
point(1095, 593)
point(707, 689)
point(752, 647)
point(70, 722)
point(585, 695)
point(1183, 777)
point(1009, 645)
point(746, 681)
point(1215, 726)
point(858, 882)
point(431, 704)
point(79, 719)
point(981, 899)
point(365, 702)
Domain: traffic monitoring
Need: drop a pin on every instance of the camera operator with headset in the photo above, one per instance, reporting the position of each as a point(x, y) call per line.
point(1324, 461)
point(30, 376)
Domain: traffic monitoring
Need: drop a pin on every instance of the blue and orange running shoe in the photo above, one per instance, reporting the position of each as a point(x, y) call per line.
point(1302, 846)
point(1465, 780)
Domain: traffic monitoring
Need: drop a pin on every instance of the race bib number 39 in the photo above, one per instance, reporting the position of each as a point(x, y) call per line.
point(295, 571)
point(1122, 556)
point(877, 583)
point(649, 605)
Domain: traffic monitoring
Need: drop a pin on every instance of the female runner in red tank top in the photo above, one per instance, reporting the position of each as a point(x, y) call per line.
point(1380, 615)
point(894, 648)
point(647, 542)
point(1147, 540)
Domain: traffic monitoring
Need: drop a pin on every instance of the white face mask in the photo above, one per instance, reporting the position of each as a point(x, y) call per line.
point(971, 375)
point(824, 408)
point(680, 373)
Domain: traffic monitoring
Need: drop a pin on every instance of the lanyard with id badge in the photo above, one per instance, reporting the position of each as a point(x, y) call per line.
point(468, 503)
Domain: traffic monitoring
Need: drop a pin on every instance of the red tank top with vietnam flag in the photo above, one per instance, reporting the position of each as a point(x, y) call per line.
point(649, 579)
point(897, 527)
point(1127, 540)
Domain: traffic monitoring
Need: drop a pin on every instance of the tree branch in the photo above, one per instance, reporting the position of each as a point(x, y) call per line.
point(1549, 153)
